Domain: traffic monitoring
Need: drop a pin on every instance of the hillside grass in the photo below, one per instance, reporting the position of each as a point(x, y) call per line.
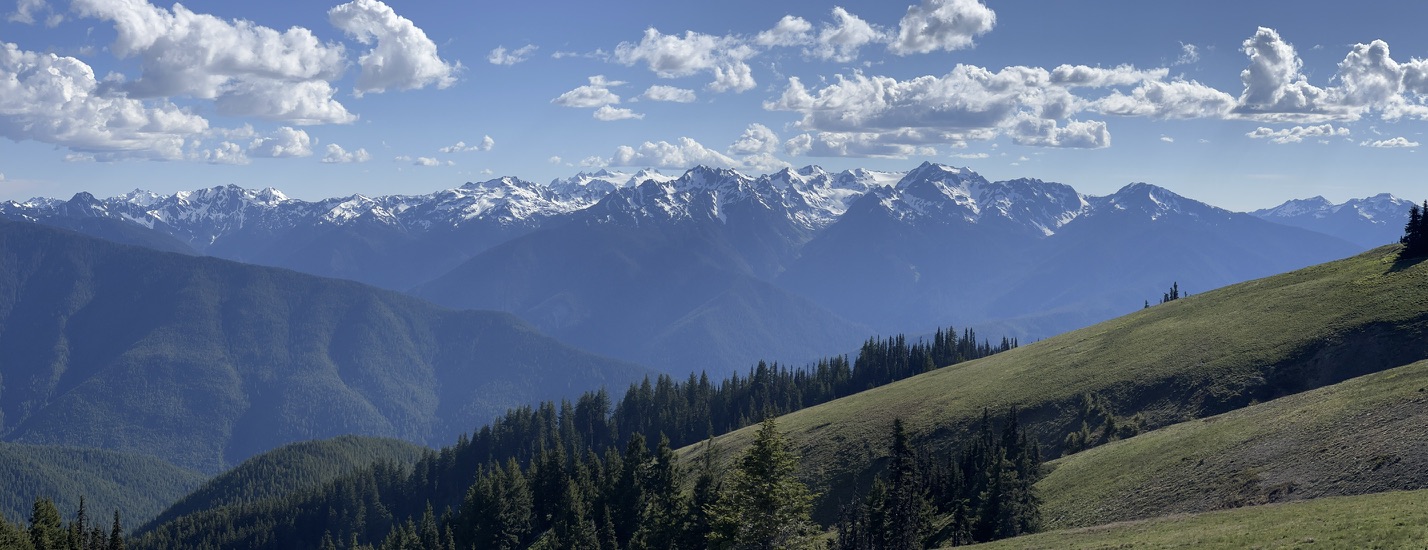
point(1383, 520)
point(1190, 358)
point(1361, 436)
point(138, 486)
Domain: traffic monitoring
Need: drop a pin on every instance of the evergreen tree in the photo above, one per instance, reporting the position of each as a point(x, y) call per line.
point(13, 536)
point(907, 513)
point(764, 506)
point(1415, 233)
point(47, 530)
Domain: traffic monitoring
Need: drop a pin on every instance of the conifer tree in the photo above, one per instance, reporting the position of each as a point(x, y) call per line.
point(764, 506)
point(1415, 233)
point(13, 536)
point(46, 528)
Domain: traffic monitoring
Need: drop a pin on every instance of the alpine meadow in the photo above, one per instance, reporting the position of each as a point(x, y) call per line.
point(398, 275)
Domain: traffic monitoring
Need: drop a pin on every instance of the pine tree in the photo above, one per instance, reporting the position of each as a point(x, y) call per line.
point(13, 536)
point(1415, 233)
point(907, 513)
point(764, 505)
point(46, 528)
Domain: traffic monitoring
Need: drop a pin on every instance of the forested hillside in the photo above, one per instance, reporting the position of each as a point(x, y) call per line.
point(205, 362)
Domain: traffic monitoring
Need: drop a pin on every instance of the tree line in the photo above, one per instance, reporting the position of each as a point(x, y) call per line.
point(1415, 233)
point(49, 531)
point(578, 461)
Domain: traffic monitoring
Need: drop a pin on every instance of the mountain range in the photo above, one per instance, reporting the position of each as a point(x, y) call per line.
point(204, 362)
point(714, 269)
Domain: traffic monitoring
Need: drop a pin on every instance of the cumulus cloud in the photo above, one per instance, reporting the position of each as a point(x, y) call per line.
point(555, 160)
point(1275, 87)
point(1099, 77)
point(303, 103)
point(684, 153)
point(608, 113)
point(942, 25)
point(1167, 139)
point(967, 97)
point(669, 93)
point(337, 155)
point(789, 31)
point(595, 94)
point(1398, 142)
point(427, 161)
point(853, 144)
point(841, 40)
point(52, 99)
point(225, 153)
point(485, 144)
point(1297, 133)
point(1189, 54)
point(970, 156)
point(284, 142)
point(1174, 99)
point(248, 69)
point(500, 56)
point(757, 138)
point(1041, 132)
point(673, 56)
point(26, 10)
point(402, 57)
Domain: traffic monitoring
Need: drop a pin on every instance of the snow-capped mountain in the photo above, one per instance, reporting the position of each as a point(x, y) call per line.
point(1367, 222)
point(891, 251)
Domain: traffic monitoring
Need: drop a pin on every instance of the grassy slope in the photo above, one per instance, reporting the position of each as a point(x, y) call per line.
point(1361, 436)
point(138, 486)
point(1207, 354)
point(293, 468)
point(1384, 520)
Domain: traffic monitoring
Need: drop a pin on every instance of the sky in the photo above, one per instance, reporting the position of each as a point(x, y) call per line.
point(1239, 104)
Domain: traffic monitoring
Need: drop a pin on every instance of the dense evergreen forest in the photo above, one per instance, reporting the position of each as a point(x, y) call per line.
point(563, 475)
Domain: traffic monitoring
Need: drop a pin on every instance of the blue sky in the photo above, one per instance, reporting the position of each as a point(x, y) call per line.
point(1240, 104)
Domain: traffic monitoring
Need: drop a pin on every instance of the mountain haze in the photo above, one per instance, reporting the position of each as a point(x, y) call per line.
point(205, 362)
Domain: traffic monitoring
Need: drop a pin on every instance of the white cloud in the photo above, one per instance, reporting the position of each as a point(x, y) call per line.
point(226, 152)
point(672, 56)
point(593, 162)
point(595, 94)
point(942, 25)
point(1174, 99)
point(1167, 139)
point(500, 56)
point(756, 139)
point(52, 99)
point(303, 103)
point(970, 156)
point(1398, 142)
point(337, 155)
point(669, 93)
point(2, 176)
point(1275, 87)
point(1079, 134)
point(1189, 54)
point(685, 153)
point(789, 31)
point(427, 161)
point(841, 40)
point(608, 113)
point(25, 11)
point(461, 147)
point(1098, 77)
point(403, 58)
point(248, 69)
point(555, 160)
point(853, 144)
point(284, 142)
point(1297, 133)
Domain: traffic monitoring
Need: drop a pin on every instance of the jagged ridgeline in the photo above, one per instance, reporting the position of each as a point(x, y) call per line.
point(542, 455)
